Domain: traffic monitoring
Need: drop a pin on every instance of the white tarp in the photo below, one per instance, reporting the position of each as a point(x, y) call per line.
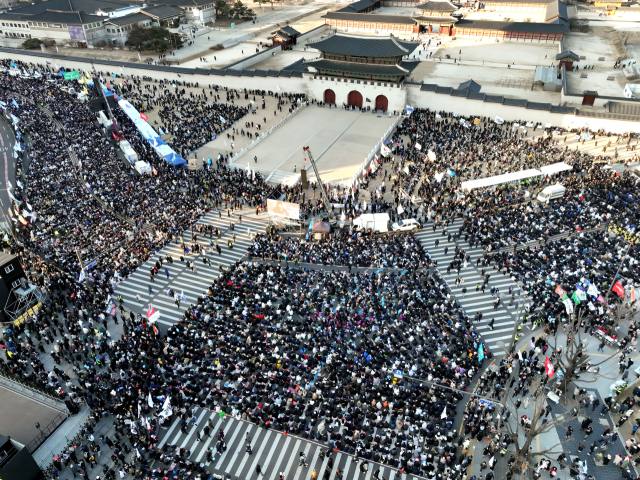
point(500, 179)
point(555, 168)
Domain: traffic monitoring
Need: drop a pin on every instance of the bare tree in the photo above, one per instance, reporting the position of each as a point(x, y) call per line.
point(572, 357)
point(526, 454)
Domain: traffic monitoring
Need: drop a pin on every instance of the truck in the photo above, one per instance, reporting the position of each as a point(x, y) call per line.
point(142, 168)
point(552, 192)
point(128, 152)
point(104, 120)
point(374, 222)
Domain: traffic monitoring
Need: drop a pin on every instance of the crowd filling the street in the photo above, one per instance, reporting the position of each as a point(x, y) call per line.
point(362, 343)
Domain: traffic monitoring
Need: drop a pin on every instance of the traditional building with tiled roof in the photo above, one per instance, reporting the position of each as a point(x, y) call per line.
point(364, 57)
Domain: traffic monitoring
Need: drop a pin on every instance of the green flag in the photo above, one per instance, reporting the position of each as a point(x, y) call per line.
point(575, 298)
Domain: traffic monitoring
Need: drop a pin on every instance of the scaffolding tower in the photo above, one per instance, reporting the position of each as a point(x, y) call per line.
point(22, 298)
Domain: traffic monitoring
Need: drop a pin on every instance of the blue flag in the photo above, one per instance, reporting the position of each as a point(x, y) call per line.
point(14, 103)
point(480, 353)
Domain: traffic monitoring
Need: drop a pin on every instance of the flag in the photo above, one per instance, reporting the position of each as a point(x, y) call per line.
point(560, 291)
point(548, 366)
point(155, 330)
point(581, 294)
point(368, 100)
point(618, 289)
point(222, 119)
point(85, 90)
point(13, 64)
point(122, 69)
point(278, 88)
point(444, 413)
point(9, 184)
point(14, 103)
point(480, 353)
point(150, 400)
point(183, 297)
point(632, 294)
point(575, 298)
point(113, 75)
point(82, 276)
point(48, 63)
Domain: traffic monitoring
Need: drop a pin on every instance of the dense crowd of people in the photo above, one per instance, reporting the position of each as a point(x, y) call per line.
point(269, 338)
point(342, 248)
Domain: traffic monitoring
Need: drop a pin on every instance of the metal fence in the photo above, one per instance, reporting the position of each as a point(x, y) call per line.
point(367, 161)
point(44, 433)
point(32, 391)
point(264, 135)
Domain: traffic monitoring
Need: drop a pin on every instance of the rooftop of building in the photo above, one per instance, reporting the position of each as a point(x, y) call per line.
point(358, 6)
point(403, 69)
point(437, 6)
point(128, 19)
point(365, 46)
point(370, 18)
point(57, 16)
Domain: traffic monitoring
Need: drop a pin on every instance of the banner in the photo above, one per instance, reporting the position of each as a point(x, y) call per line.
point(71, 75)
point(147, 131)
point(283, 209)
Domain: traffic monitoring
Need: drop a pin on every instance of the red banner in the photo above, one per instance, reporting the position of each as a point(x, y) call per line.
point(144, 117)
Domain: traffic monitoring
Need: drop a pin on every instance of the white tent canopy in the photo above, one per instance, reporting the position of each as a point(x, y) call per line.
point(555, 168)
point(500, 179)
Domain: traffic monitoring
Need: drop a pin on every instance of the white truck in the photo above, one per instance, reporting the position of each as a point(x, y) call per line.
point(128, 151)
point(104, 120)
point(142, 168)
point(552, 192)
point(374, 222)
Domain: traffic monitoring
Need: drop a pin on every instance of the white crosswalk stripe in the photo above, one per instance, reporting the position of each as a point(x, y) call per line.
point(181, 279)
point(272, 450)
point(469, 293)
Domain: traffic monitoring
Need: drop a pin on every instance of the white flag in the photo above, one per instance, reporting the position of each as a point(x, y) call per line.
point(444, 413)
point(150, 400)
point(9, 184)
point(277, 87)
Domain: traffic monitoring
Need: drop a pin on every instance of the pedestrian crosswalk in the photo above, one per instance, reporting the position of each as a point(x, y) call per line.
point(192, 283)
point(272, 450)
point(469, 292)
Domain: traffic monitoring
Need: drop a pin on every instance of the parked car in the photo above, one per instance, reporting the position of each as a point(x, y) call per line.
point(408, 225)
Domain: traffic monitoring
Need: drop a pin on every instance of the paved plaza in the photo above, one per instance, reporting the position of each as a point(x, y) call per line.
point(339, 141)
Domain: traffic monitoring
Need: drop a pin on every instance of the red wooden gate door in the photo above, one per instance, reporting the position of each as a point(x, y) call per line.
point(355, 99)
point(329, 96)
point(382, 103)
